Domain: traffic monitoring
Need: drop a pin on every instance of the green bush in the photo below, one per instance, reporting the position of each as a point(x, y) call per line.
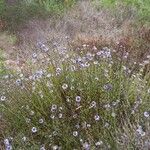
point(2, 7)
point(86, 101)
point(22, 11)
point(140, 6)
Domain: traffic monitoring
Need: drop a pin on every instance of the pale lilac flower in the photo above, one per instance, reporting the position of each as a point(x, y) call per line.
point(105, 53)
point(7, 144)
point(108, 87)
point(34, 129)
point(58, 70)
point(94, 48)
point(146, 114)
point(34, 55)
point(18, 82)
point(97, 117)
point(43, 47)
point(75, 133)
point(77, 126)
point(78, 99)
point(86, 146)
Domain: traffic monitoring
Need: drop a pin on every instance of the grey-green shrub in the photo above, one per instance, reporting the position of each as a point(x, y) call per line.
point(86, 101)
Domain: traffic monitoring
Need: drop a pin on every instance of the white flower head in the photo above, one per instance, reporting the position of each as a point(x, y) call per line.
point(98, 143)
point(88, 125)
point(24, 138)
point(60, 115)
point(64, 86)
point(3, 98)
point(48, 75)
point(93, 104)
point(113, 114)
point(32, 112)
point(55, 147)
point(41, 121)
point(54, 107)
point(52, 116)
point(140, 131)
point(75, 133)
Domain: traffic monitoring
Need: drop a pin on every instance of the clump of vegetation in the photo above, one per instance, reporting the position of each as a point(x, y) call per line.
point(89, 100)
point(2, 6)
point(19, 11)
point(138, 8)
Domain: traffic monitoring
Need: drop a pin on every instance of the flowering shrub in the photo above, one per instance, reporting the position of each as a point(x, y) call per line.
point(90, 100)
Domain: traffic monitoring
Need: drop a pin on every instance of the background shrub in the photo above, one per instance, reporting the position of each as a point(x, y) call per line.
point(139, 8)
point(20, 11)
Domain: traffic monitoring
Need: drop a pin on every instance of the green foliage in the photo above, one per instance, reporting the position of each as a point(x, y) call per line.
point(2, 67)
point(21, 11)
point(140, 6)
point(2, 7)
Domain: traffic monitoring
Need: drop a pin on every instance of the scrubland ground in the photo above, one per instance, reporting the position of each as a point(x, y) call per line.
point(77, 79)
